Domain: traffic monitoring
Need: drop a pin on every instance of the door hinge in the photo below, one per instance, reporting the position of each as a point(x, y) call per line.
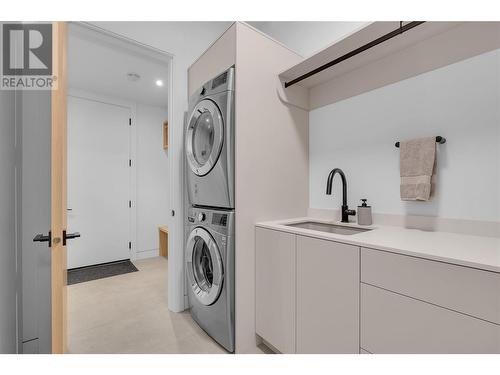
point(129, 162)
point(129, 245)
point(130, 121)
point(129, 204)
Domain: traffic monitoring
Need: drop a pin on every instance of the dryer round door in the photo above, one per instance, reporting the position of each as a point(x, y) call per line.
point(204, 266)
point(204, 137)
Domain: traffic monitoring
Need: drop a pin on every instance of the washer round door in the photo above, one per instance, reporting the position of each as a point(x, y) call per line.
point(204, 137)
point(204, 266)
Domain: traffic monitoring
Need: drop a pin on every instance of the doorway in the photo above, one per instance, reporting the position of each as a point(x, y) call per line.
point(119, 200)
point(102, 136)
point(118, 166)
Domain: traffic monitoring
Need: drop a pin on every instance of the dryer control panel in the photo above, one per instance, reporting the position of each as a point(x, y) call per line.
point(220, 80)
point(219, 219)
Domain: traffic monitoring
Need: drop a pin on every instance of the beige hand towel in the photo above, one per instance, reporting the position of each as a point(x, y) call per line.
point(416, 165)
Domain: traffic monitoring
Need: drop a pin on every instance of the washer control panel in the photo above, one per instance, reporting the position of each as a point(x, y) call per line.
point(220, 221)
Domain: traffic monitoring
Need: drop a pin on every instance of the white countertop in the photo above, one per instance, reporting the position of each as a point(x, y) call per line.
point(466, 250)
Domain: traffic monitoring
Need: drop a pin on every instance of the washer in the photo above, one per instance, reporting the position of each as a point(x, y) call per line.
point(209, 143)
point(209, 261)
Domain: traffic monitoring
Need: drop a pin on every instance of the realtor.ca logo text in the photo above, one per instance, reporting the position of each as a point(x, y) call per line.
point(26, 61)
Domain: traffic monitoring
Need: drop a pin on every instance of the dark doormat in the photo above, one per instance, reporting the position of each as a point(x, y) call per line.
point(100, 271)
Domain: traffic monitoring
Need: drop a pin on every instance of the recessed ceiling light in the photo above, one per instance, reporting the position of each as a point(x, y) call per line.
point(159, 82)
point(133, 77)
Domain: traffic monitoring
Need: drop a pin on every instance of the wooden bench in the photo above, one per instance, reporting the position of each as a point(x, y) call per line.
point(163, 230)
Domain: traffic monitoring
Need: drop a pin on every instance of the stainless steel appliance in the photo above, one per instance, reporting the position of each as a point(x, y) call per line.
point(209, 143)
point(209, 258)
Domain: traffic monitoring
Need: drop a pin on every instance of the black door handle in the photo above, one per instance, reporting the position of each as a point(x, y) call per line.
point(43, 238)
point(69, 236)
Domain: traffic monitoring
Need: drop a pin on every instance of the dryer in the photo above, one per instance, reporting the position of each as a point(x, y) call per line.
point(209, 143)
point(209, 258)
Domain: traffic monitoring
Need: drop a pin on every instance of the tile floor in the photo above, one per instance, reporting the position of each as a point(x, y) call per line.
point(129, 314)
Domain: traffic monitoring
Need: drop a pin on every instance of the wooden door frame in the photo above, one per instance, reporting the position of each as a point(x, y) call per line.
point(58, 188)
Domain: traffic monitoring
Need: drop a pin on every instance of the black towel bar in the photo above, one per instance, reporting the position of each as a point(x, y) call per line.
point(439, 139)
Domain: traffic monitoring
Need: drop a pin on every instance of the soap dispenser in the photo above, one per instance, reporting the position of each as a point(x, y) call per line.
point(364, 213)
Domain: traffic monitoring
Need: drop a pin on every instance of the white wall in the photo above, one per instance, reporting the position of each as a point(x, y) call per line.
point(186, 41)
point(7, 224)
point(215, 60)
point(460, 102)
point(307, 38)
point(271, 162)
point(153, 184)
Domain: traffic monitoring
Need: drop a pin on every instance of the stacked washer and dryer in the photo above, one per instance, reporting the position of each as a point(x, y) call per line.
point(209, 226)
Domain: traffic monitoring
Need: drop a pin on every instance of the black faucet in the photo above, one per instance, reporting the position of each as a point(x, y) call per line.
point(345, 209)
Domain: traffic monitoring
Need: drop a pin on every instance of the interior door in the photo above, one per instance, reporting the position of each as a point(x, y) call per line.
point(41, 213)
point(99, 197)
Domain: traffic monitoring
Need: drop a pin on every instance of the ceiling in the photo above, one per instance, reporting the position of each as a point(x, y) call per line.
point(306, 37)
point(100, 63)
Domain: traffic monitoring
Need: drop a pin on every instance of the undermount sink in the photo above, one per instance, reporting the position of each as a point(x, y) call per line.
point(329, 228)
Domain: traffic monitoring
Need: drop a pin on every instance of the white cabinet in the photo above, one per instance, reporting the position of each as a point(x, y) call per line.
point(321, 296)
point(307, 293)
point(327, 296)
point(275, 288)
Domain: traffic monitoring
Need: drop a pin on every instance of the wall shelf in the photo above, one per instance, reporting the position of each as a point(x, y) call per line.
point(425, 47)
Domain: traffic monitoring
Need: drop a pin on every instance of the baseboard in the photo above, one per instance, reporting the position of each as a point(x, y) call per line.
point(147, 254)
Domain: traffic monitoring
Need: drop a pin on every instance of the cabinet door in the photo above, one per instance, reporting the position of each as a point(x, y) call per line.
point(467, 290)
point(392, 323)
point(275, 288)
point(327, 297)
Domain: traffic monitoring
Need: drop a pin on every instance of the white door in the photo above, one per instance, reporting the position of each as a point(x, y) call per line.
point(98, 182)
